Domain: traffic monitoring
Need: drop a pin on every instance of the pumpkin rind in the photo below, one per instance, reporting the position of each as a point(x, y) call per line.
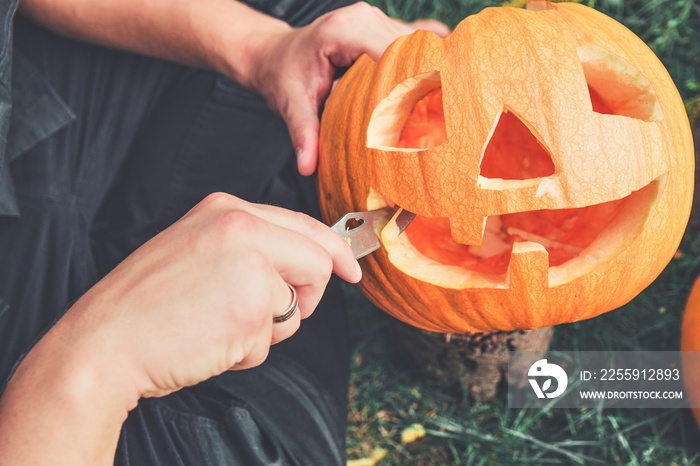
point(527, 63)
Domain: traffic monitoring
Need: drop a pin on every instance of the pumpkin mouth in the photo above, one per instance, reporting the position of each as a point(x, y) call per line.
point(576, 240)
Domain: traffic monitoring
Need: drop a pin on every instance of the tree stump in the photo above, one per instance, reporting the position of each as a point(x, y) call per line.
point(479, 360)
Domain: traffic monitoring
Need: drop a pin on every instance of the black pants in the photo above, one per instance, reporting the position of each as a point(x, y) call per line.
point(150, 140)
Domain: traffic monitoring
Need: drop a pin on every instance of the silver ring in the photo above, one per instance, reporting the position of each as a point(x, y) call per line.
point(289, 312)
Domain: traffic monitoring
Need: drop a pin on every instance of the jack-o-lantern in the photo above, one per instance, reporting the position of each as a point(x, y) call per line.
point(546, 153)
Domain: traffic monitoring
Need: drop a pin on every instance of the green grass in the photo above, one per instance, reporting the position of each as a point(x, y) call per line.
point(386, 397)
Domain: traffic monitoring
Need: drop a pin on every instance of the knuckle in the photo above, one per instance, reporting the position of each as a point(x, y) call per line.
point(363, 7)
point(325, 269)
point(256, 264)
point(327, 244)
point(234, 224)
point(310, 224)
point(319, 274)
point(338, 18)
point(217, 199)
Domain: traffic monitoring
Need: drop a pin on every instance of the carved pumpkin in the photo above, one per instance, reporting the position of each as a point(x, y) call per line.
point(546, 153)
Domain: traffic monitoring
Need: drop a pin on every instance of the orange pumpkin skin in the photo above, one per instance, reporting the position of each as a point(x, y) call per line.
point(690, 341)
point(537, 65)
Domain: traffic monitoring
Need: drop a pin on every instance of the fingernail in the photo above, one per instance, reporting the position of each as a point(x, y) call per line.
point(358, 271)
point(300, 153)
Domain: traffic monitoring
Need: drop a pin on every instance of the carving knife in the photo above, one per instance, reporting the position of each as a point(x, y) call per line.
point(359, 228)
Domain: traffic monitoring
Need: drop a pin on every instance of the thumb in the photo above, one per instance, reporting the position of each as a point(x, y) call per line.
point(302, 122)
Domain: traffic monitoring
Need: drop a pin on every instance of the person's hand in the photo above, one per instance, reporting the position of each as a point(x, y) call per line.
point(199, 298)
point(195, 301)
point(295, 72)
point(293, 69)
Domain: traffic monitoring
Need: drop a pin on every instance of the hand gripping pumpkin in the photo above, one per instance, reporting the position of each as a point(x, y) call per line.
point(546, 152)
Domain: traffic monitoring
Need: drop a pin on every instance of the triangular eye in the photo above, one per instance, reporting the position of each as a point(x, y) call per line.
point(616, 87)
point(514, 153)
point(410, 117)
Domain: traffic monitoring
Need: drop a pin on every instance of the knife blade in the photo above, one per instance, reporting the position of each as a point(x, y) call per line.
point(359, 228)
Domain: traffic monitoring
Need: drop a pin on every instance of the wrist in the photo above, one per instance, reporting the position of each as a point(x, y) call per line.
point(240, 49)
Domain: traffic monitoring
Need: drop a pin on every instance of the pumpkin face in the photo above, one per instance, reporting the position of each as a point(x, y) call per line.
point(546, 153)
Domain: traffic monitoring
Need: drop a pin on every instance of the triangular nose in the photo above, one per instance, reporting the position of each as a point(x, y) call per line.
point(514, 153)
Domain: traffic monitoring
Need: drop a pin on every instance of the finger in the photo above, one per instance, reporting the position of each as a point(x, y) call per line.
point(256, 356)
point(276, 250)
point(372, 43)
point(301, 117)
point(304, 137)
point(344, 263)
point(431, 25)
point(217, 204)
point(302, 263)
point(285, 329)
point(267, 296)
point(360, 28)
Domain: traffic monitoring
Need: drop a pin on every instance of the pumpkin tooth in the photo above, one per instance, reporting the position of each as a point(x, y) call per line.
point(528, 270)
point(548, 243)
point(494, 242)
point(468, 229)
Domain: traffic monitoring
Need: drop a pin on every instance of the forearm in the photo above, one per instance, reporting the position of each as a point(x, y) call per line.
point(223, 35)
point(62, 407)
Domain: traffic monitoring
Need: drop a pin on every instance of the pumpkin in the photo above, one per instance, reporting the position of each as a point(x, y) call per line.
point(546, 153)
point(690, 329)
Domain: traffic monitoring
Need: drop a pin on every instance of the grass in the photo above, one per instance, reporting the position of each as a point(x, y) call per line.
point(386, 398)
